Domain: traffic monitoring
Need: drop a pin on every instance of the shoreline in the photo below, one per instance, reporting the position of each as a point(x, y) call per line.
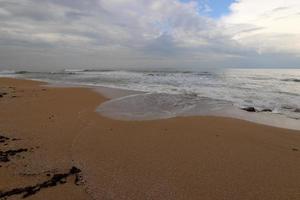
point(230, 111)
point(176, 158)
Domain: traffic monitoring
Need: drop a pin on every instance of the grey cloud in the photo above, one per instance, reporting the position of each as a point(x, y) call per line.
point(48, 34)
point(280, 8)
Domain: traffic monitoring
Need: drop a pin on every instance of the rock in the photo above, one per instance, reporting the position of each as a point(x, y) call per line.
point(249, 109)
point(74, 170)
point(297, 110)
point(266, 110)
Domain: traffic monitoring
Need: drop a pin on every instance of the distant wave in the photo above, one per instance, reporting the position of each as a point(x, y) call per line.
point(7, 72)
point(73, 70)
point(98, 70)
point(157, 73)
point(292, 80)
point(22, 72)
point(87, 70)
point(289, 93)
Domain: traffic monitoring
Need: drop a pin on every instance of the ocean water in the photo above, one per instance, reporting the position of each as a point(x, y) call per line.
point(164, 94)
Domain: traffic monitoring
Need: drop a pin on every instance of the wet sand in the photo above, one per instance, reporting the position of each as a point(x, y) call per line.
point(179, 158)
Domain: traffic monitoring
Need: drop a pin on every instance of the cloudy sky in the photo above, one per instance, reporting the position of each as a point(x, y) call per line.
point(179, 34)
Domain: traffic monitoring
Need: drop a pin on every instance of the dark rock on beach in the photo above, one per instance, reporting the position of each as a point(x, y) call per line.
point(249, 109)
point(266, 110)
point(297, 110)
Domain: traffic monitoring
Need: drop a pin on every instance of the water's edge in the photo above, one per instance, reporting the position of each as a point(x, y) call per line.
point(137, 109)
point(229, 111)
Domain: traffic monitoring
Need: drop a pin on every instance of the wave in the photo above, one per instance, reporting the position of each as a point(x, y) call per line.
point(291, 80)
point(289, 93)
point(240, 89)
point(291, 108)
point(151, 106)
point(22, 72)
point(98, 70)
point(73, 70)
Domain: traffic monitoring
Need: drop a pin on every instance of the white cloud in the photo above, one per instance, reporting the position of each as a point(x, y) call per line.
point(145, 33)
point(269, 26)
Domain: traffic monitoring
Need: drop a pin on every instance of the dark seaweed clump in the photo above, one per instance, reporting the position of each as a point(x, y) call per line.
point(5, 155)
point(54, 181)
point(2, 94)
point(3, 139)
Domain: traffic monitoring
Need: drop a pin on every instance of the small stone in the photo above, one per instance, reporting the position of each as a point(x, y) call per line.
point(297, 110)
point(295, 149)
point(249, 109)
point(74, 170)
point(266, 110)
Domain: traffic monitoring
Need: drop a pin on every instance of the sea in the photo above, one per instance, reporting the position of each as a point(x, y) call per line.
point(273, 93)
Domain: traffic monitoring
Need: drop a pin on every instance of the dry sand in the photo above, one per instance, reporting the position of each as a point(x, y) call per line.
point(181, 158)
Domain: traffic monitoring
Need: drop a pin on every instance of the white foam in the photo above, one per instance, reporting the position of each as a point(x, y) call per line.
point(152, 106)
point(258, 88)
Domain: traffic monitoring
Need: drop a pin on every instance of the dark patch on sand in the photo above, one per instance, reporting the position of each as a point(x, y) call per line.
point(8, 91)
point(2, 94)
point(5, 155)
point(54, 178)
point(54, 181)
point(51, 116)
point(3, 139)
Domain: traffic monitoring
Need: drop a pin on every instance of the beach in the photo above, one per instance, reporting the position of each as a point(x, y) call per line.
point(60, 137)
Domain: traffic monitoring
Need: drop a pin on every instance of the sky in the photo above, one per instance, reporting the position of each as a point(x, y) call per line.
point(48, 35)
point(213, 8)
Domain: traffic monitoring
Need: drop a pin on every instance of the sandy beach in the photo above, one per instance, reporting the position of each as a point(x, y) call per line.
point(55, 146)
